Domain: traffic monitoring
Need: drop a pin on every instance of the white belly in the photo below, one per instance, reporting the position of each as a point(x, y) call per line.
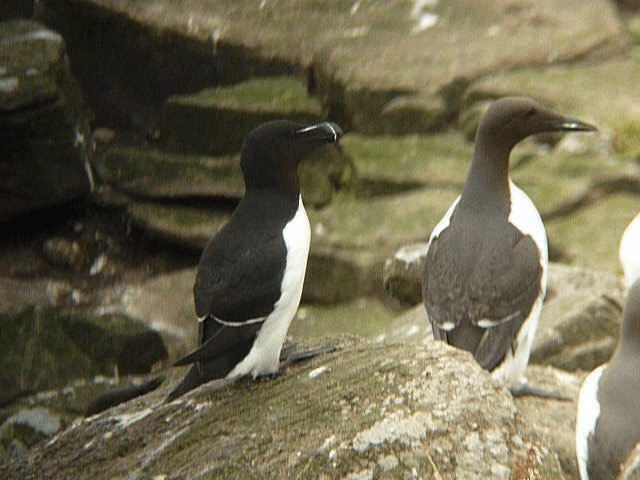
point(630, 252)
point(525, 217)
point(264, 357)
point(587, 415)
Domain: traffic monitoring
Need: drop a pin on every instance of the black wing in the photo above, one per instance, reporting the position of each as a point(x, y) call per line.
point(479, 291)
point(239, 279)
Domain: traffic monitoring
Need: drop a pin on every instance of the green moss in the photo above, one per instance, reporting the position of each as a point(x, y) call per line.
point(626, 136)
point(410, 160)
point(285, 95)
point(153, 173)
point(365, 317)
point(193, 226)
point(592, 235)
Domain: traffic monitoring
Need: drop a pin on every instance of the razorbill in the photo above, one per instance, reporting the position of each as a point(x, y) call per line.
point(249, 279)
point(485, 272)
point(630, 251)
point(608, 418)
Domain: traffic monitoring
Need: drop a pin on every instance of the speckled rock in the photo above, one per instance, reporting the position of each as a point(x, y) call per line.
point(387, 411)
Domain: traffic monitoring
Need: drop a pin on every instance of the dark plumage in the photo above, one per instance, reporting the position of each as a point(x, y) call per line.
point(608, 418)
point(485, 270)
point(250, 274)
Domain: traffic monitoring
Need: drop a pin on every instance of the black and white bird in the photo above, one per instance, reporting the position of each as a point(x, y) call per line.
point(630, 251)
point(250, 276)
point(608, 418)
point(485, 272)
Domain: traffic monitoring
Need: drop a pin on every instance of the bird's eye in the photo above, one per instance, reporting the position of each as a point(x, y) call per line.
point(531, 112)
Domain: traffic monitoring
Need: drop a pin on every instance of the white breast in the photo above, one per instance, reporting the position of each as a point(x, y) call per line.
point(264, 356)
point(630, 252)
point(586, 418)
point(525, 217)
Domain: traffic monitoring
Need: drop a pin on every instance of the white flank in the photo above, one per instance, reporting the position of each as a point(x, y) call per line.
point(525, 217)
point(444, 221)
point(586, 418)
point(630, 252)
point(264, 357)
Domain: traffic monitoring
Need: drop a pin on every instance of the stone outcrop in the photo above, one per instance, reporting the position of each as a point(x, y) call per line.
point(362, 412)
point(45, 142)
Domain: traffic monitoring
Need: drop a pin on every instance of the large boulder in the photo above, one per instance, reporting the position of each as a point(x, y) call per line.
point(388, 411)
point(45, 142)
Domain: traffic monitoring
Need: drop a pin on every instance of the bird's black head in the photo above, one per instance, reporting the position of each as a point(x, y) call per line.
point(272, 152)
point(512, 119)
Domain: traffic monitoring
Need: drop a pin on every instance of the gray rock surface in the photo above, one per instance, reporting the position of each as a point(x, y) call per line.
point(45, 142)
point(392, 411)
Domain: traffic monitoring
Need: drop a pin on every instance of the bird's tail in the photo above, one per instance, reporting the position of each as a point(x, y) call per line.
point(116, 397)
point(191, 380)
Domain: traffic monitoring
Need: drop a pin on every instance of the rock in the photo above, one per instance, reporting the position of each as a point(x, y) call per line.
point(390, 165)
point(554, 420)
point(45, 142)
point(156, 174)
point(603, 93)
point(591, 235)
point(431, 408)
point(165, 304)
point(366, 317)
point(580, 319)
point(191, 226)
point(44, 348)
point(216, 121)
point(29, 427)
point(65, 253)
point(33, 419)
point(347, 59)
point(411, 326)
point(17, 294)
point(402, 274)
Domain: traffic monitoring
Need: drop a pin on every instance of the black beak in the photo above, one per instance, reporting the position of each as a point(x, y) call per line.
point(566, 124)
point(325, 132)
